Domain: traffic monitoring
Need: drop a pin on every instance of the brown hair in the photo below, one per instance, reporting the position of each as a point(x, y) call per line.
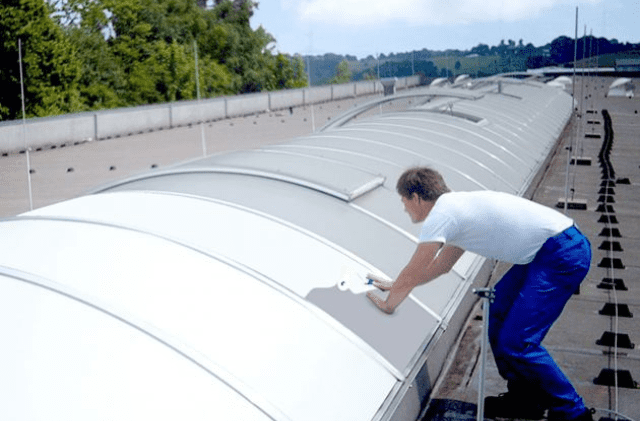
point(427, 183)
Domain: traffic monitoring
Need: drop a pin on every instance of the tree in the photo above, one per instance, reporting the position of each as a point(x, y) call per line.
point(149, 56)
point(51, 68)
point(289, 72)
point(343, 73)
point(481, 50)
point(562, 49)
point(246, 53)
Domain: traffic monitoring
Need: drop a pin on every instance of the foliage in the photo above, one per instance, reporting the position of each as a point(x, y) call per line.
point(95, 54)
point(481, 60)
point(290, 72)
point(343, 73)
point(50, 66)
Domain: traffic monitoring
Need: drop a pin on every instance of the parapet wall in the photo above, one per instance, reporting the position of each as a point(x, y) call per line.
point(39, 132)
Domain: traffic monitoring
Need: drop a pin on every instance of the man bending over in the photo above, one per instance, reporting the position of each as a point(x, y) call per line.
point(550, 259)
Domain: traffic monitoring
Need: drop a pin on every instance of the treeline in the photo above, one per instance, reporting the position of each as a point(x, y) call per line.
point(481, 60)
point(81, 55)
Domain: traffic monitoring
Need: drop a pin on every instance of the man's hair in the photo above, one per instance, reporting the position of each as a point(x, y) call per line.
point(427, 183)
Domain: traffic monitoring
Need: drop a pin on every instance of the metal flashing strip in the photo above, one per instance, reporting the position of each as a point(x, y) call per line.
point(506, 79)
point(354, 193)
point(427, 309)
point(252, 397)
point(345, 195)
point(429, 92)
point(448, 111)
point(507, 95)
point(282, 289)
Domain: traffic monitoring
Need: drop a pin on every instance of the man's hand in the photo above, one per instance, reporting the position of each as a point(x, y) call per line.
point(379, 282)
point(380, 302)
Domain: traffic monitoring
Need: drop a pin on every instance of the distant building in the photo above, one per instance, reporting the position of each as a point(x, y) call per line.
point(628, 65)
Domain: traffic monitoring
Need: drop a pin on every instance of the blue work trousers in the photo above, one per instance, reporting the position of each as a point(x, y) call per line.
point(528, 300)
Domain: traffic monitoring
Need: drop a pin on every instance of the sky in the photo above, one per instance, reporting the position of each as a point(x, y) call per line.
point(371, 27)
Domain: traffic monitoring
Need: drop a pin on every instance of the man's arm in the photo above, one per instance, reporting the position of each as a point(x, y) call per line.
point(423, 267)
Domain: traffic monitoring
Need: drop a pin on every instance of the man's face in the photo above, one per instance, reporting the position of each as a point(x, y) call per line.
point(412, 207)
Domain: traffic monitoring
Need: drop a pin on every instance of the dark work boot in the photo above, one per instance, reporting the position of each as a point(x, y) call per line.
point(511, 405)
point(587, 415)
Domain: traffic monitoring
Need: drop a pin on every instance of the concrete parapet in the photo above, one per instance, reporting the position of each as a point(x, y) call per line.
point(16, 136)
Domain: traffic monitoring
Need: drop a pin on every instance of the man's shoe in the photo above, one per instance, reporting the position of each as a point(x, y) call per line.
point(510, 405)
point(587, 415)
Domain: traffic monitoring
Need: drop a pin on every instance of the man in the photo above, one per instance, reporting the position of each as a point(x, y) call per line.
point(550, 259)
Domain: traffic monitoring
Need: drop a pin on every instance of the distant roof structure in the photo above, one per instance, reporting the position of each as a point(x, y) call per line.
point(439, 82)
point(628, 64)
point(561, 81)
point(621, 87)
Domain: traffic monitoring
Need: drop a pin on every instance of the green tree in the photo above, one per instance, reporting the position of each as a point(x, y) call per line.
point(51, 68)
point(98, 54)
point(289, 72)
point(343, 73)
point(369, 75)
point(299, 78)
point(149, 56)
point(243, 51)
point(103, 81)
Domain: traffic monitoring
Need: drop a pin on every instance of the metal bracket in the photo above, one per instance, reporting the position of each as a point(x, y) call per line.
point(487, 293)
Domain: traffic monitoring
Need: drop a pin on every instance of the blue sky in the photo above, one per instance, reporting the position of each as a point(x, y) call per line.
point(369, 27)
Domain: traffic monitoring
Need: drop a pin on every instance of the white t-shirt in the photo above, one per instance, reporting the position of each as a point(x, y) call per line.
point(493, 224)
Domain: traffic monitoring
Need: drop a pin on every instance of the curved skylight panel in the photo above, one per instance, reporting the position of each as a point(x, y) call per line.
point(126, 374)
point(327, 176)
point(511, 130)
point(468, 143)
point(262, 341)
point(349, 156)
point(541, 106)
point(436, 147)
point(310, 267)
point(507, 149)
point(402, 157)
point(306, 208)
point(257, 241)
point(497, 112)
point(470, 140)
point(516, 115)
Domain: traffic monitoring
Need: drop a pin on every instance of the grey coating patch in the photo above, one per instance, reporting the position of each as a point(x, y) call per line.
point(396, 337)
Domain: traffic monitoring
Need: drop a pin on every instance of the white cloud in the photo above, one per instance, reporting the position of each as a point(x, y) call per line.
point(423, 12)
